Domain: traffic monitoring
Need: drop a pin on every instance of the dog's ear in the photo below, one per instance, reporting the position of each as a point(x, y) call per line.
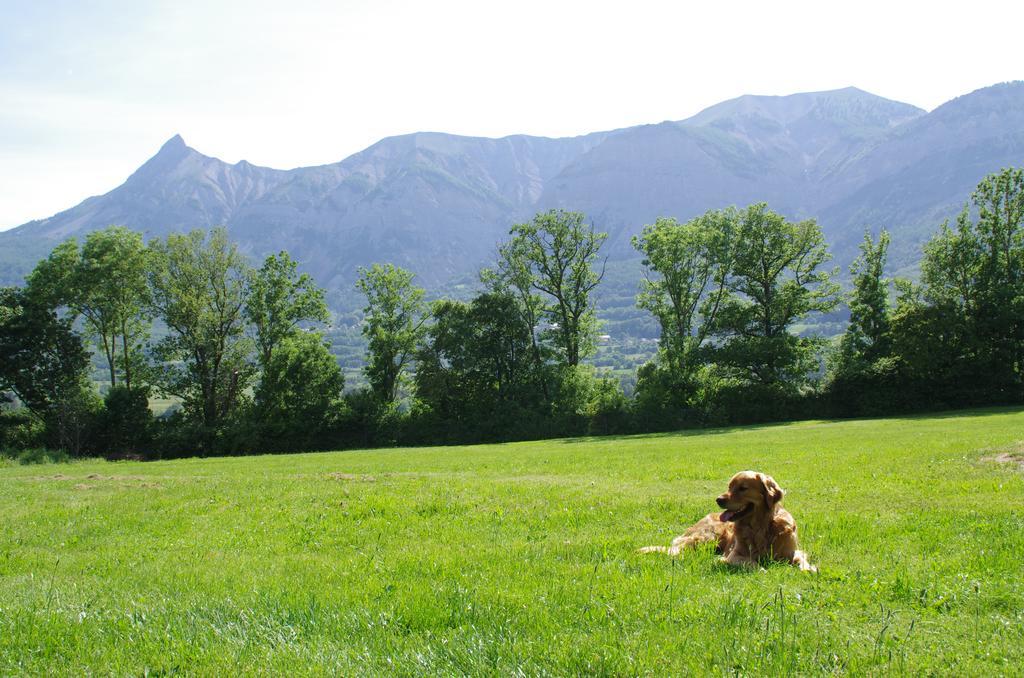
point(772, 492)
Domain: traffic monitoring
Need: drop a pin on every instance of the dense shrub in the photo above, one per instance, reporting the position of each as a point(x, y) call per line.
point(124, 426)
point(35, 455)
point(19, 430)
point(664, 399)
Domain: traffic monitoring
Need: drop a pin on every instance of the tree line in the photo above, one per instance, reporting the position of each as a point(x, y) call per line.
point(242, 348)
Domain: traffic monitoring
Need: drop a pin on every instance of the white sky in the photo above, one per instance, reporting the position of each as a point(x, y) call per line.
point(89, 89)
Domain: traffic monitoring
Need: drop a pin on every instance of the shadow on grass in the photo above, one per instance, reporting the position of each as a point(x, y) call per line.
point(688, 432)
point(708, 556)
point(956, 414)
point(712, 560)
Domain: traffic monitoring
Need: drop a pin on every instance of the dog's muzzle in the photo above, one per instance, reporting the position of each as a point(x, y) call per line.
point(729, 516)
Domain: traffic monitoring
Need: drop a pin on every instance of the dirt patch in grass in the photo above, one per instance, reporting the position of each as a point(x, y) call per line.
point(94, 480)
point(1015, 459)
point(351, 477)
point(92, 476)
point(1012, 455)
point(97, 476)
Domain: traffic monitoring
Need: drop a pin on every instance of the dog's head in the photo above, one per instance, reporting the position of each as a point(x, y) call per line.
point(749, 493)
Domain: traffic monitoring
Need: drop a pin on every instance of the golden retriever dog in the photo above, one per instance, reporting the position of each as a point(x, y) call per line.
point(752, 526)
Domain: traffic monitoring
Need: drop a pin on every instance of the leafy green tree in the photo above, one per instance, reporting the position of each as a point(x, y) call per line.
point(446, 364)
point(199, 283)
point(51, 280)
point(999, 274)
point(863, 376)
point(112, 294)
point(685, 283)
point(556, 252)
point(43, 362)
point(300, 392)
point(867, 338)
point(500, 348)
point(104, 282)
point(477, 362)
point(969, 308)
point(395, 318)
point(513, 278)
point(279, 300)
point(775, 280)
point(933, 347)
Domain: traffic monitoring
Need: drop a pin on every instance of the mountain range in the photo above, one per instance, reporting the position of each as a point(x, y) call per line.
point(439, 203)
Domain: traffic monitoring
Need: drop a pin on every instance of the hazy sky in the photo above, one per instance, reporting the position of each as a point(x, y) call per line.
point(90, 89)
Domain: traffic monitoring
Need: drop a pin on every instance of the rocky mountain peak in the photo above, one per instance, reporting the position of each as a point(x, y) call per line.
point(170, 156)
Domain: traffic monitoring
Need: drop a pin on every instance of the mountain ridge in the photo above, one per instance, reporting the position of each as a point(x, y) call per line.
point(438, 203)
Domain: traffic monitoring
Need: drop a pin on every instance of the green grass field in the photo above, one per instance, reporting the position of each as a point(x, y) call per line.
point(519, 558)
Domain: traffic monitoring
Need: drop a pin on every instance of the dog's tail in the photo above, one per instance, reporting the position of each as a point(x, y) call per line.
point(670, 550)
point(653, 549)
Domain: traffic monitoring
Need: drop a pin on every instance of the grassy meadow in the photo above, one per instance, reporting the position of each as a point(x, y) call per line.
point(519, 558)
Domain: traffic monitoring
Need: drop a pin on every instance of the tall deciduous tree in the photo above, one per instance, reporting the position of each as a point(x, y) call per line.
point(395, 316)
point(970, 305)
point(775, 280)
point(685, 282)
point(867, 338)
point(513, 278)
point(279, 299)
point(300, 390)
point(999, 201)
point(199, 285)
point(112, 293)
point(557, 252)
point(104, 282)
point(43, 362)
point(477, 361)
